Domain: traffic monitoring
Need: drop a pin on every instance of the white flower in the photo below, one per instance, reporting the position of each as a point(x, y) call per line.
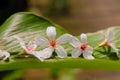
point(4, 55)
point(83, 48)
point(109, 41)
point(52, 44)
point(28, 48)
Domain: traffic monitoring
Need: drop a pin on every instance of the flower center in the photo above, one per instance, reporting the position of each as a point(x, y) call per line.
point(53, 43)
point(83, 46)
point(105, 43)
point(31, 48)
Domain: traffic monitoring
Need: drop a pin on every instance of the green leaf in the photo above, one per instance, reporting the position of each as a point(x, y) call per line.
point(28, 25)
point(15, 75)
point(61, 63)
point(70, 74)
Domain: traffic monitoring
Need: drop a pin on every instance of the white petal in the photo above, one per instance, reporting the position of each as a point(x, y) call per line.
point(51, 32)
point(38, 55)
point(83, 38)
point(76, 53)
point(31, 47)
point(75, 42)
point(109, 35)
point(21, 42)
point(114, 48)
point(89, 49)
point(87, 55)
point(64, 39)
point(30, 43)
point(43, 54)
point(41, 41)
point(6, 55)
point(61, 53)
point(47, 52)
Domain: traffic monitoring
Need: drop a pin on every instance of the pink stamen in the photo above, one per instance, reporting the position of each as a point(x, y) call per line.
point(83, 46)
point(53, 43)
point(31, 48)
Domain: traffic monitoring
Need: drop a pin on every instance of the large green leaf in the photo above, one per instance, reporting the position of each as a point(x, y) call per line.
point(61, 63)
point(28, 25)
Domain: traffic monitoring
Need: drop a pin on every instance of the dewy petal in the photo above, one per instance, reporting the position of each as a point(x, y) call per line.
point(21, 42)
point(41, 41)
point(75, 42)
point(61, 53)
point(83, 38)
point(109, 35)
point(64, 39)
point(114, 48)
point(87, 55)
point(76, 53)
point(51, 32)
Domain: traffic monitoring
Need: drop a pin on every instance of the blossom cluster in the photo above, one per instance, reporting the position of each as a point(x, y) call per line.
point(50, 45)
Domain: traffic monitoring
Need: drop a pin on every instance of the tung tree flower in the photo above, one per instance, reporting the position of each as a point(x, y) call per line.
point(52, 44)
point(28, 48)
point(109, 41)
point(4, 55)
point(83, 48)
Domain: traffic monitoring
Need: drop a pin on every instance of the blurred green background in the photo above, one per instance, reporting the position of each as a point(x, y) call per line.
point(76, 16)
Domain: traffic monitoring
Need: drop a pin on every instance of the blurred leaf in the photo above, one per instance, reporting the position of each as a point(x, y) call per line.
point(16, 75)
point(70, 74)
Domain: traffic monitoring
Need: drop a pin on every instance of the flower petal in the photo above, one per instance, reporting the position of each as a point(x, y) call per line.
point(61, 53)
point(47, 52)
point(83, 38)
point(51, 32)
point(114, 48)
point(89, 49)
point(41, 41)
point(64, 39)
point(109, 35)
point(37, 54)
point(75, 42)
point(31, 46)
point(5, 54)
point(43, 54)
point(87, 55)
point(30, 43)
point(76, 53)
point(21, 42)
